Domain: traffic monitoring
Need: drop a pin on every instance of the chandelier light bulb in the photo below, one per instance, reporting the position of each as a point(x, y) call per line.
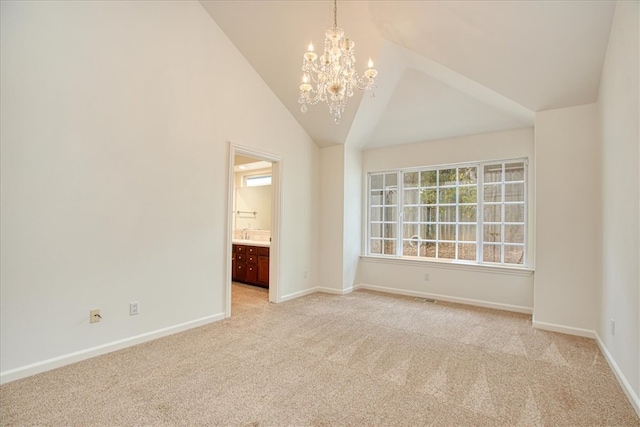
point(305, 87)
point(332, 77)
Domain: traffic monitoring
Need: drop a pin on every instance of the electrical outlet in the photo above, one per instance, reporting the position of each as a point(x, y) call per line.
point(134, 308)
point(94, 315)
point(426, 277)
point(305, 274)
point(613, 326)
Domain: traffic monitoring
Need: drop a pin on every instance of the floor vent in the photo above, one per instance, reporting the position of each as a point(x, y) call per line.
point(424, 299)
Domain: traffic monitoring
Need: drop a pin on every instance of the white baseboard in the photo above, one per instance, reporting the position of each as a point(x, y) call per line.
point(334, 291)
point(67, 359)
point(313, 291)
point(298, 294)
point(467, 301)
point(631, 394)
point(569, 330)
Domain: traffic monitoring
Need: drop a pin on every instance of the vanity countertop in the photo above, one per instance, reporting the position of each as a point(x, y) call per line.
point(251, 242)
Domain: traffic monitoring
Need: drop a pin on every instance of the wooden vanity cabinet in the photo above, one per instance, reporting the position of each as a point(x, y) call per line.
point(250, 264)
point(263, 267)
point(233, 263)
point(239, 267)
point(252, 269)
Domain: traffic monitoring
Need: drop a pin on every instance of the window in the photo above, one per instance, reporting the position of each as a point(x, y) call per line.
point(384, 213)
point(257, 180)
point(472, 213)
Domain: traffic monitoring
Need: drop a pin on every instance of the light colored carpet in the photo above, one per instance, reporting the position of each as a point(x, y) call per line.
point(324, 360)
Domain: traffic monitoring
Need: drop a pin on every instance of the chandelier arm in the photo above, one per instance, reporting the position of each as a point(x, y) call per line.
point(315, 72)
point(361, 84)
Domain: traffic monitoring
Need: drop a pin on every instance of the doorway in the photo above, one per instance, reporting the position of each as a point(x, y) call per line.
point(253, 225)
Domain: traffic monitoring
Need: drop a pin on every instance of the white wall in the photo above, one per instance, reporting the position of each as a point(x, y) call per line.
point(511, 290)
point(567, 218)
point(341, 217)
point(331, 217)
point(252, 199)
point(619, 294)
point(352, 216)
point(116, 122)
point(249, 200)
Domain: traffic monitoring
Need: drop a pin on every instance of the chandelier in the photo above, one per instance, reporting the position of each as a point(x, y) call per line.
point(334, 73)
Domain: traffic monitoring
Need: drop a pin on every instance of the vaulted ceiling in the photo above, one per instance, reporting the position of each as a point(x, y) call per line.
point(446, 68)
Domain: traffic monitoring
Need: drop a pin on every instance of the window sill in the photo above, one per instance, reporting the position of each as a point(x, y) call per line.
point(451, 265)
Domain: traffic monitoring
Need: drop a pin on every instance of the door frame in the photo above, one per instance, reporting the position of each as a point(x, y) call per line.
point(276, 213)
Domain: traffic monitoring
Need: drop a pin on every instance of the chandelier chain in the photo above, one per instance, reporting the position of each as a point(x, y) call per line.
point(335, 13)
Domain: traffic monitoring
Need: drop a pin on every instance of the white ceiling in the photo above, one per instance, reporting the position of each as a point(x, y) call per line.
point(446, 68)
point(244, 164)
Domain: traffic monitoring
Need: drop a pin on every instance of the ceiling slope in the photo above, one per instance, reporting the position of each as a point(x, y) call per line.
point(446, 68)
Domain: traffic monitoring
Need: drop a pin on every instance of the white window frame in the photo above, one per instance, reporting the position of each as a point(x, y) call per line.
point(480, 203)
point(384, 220)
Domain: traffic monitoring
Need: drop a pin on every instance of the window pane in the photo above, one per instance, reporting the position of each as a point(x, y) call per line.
point(428, 178)
point(376, 214)
point(411, 197)
point(514, 213)
point(257, 181)
point(468, 194)
point(411, 214)
point(467, 251)
point(428, 213)
point(428, 197)
point(492, 233)
point(391, 180)
point(447, 250)
point(410, 230)
point(428, 232)
point(493, 193)
point(410, 247)
point(492, 213)
point(467, 232)
point(493, 173)
point(447, 177)
point(428, 249)
point(514, 192)
point(376, 197)
point(514, 233)
point(513, 254)
point(468, 175)
point(376, 246)
point(376, 181)
point(447, 214)
point(447, 232)
point(514, 172)
point(390, 197)
point(491, 253)
point(447, 195)
point(389, 247)
point(390, 231)
point(376, 230)
point(467, 213)
point(410, 179)
point(390, 214)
